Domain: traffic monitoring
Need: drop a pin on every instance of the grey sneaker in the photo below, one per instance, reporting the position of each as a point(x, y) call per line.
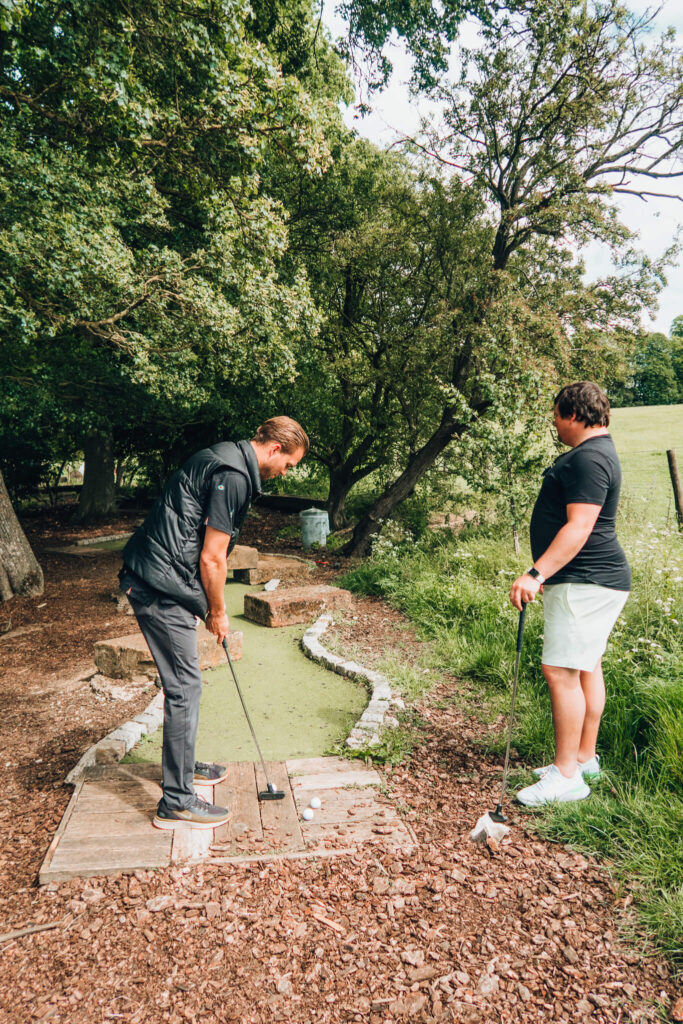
point(200, 814)
point(209, 774)
point(590, 770)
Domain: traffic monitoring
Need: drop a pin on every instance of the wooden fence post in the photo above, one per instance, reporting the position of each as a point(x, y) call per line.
point(676, 484)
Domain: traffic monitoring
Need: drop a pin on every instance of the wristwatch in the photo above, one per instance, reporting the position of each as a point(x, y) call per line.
point(535, 574)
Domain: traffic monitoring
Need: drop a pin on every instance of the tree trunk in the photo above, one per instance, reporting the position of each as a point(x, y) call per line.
point(418, 464)
point(19, 571)
point(340, 485)
point(97, 497)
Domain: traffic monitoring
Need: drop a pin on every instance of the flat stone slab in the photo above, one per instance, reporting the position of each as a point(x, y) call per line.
point(243, 557)
point(293, 605)
point(107, 827)
point(271, 566)
point(126, 656)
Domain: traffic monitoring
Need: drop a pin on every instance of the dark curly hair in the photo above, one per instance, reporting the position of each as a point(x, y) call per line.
point(587, 400)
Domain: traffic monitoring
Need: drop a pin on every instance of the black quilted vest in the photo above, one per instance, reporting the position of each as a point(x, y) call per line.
point(165, 550)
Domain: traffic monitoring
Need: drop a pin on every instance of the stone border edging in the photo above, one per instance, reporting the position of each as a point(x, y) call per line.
point(104, 539)
point(129, 733)
point(365, 732)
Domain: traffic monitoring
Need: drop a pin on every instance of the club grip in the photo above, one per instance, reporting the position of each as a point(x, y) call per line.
point(520, 628)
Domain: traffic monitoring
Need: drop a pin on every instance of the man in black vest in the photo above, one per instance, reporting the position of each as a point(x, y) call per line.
point(174, 570)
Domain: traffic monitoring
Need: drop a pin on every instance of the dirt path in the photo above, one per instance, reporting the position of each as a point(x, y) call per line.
point(453, 932)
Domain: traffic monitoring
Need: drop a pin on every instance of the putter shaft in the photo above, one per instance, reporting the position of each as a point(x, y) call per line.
point(520, 634)
point(271, 792)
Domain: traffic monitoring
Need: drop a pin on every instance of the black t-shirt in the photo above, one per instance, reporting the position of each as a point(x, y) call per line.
point(228, 494)
point(588, 474)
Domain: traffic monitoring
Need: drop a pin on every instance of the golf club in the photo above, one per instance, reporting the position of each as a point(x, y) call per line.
point(270, 793)
point(498, 815)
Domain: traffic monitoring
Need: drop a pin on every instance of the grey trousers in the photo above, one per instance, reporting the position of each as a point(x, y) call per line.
point(171, 634)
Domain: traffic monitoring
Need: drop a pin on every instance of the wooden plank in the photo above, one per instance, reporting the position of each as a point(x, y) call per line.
point(280, 820)
point(337, 780)
point(84, 858)
point(86, 823)
point(316, 765)
point(44, 875)
point(123, 772)
point(191, 843)
point(337, 803)
point(239, 793)
point(129, 799)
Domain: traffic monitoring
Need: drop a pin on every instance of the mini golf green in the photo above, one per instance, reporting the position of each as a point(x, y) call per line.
point(298, 708)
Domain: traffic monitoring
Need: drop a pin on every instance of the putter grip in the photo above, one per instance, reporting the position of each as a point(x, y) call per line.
point(520, 628)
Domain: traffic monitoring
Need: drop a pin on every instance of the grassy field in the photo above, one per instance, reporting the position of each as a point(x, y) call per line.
point(642, 436)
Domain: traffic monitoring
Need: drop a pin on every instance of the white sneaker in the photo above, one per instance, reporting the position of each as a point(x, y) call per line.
point(553, 787)
point(589, 769)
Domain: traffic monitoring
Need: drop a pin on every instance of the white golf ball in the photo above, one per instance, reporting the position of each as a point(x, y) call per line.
point(315, 802)
point(307, 814)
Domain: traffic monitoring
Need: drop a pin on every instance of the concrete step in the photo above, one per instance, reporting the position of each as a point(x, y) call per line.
point(294, 604)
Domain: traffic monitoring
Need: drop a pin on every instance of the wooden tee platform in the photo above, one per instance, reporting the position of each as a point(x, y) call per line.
point(107, 829)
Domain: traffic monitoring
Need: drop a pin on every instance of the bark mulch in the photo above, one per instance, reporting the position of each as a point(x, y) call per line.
point(453, 932)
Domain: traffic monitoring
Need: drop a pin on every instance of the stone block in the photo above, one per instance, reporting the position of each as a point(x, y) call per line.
point(297, 604)
point(251, 577)
point(211, 653)
point(124, 657)
point(243, 557)
point(129, 733)
point(109, 751)
point(271, 566)
point(127, 656)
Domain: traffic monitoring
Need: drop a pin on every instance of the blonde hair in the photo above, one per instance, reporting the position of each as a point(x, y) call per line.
point(284, 431)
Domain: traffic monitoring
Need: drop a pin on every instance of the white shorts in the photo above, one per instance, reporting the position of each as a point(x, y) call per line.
point(579, 618)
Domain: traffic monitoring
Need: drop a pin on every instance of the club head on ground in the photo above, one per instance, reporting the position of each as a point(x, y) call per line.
point(271, 794)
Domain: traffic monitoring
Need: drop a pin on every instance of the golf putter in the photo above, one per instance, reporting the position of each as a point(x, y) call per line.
point(498, 815)
point(270, 793)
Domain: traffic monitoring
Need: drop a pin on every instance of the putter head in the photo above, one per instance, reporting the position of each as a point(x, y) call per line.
point(498, 815)
point(271, 794)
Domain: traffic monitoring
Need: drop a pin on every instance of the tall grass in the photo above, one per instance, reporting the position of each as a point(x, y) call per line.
point(455, 592)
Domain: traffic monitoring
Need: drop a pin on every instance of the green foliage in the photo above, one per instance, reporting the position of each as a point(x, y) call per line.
point(505, 451)
point(142, 285)
point(658, 371)
point(426, 27)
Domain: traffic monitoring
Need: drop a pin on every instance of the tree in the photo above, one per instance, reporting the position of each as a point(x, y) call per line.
point(654, 372)
point(559, 109)
point(20, 573)
point(140, 256)
point(387, 252)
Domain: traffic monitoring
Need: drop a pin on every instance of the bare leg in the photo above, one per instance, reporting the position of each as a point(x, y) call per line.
point(593, 686)
point(569, 710)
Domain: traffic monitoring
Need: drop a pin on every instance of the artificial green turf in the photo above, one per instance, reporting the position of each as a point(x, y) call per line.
point(298, 708)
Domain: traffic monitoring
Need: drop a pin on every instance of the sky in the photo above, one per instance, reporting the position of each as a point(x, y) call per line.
point(395, 114)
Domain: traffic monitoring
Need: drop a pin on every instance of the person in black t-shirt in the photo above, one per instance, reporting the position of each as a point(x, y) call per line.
point(582, 571)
